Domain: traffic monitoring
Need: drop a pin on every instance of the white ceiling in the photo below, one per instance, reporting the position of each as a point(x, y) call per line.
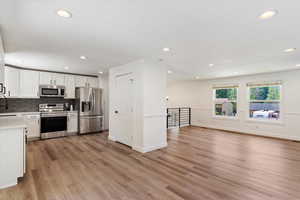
point(113, 32)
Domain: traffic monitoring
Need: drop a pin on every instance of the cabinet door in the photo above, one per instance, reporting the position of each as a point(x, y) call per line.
point(29, 83)
point(46, 78)
point(72, 123)
point(33, 125)
point(1, 61)
point(80, 81)
point(58, 79)
point(93, 82)
point(70, 86)
point(12, 77)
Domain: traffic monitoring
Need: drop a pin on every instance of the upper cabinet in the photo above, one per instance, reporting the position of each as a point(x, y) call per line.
point(58, 79)
point(47, 78)
point(25, 83)
point(1, 61)
point(83, 81)
point(80, 81)
point(92, 82)
point(12, 81)
point(29, 84)
point(70, 86)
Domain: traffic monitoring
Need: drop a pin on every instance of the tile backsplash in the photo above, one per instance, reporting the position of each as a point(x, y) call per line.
point(30, 105)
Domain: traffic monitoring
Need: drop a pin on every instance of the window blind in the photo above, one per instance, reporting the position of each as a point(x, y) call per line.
point(224, 86)
point(265, 83)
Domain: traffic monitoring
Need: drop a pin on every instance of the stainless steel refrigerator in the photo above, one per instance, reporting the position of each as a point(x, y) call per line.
point(90, 115)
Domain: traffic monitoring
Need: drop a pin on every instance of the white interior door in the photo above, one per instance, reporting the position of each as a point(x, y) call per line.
point(123, 108)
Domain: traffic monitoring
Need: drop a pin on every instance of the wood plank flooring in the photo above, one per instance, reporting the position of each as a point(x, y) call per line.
point(198, 164)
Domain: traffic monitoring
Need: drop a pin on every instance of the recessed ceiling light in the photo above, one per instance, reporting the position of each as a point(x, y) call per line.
point(166, 49)
point(66, 67)
point(83, 57)
point(100, 72)
point(64, 13)
point(170, 72)
point(211, 65)
point(268, 14)
point(290, 50)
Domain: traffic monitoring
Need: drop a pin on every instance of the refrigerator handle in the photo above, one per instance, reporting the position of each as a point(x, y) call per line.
point(94, 99)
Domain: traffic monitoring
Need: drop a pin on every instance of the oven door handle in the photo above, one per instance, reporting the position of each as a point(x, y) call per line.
point(53, 115)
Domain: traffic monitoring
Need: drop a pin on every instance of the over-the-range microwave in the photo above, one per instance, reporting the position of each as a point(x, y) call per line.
point(52, 91)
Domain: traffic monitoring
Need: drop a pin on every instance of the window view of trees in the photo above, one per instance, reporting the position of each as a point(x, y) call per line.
point(229, 93)
point(265, 93)
point(265, 102)
point(225, 102)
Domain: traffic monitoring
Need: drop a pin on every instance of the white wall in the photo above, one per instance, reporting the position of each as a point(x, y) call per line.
point(199, 96)
point(154, 106)
point(149, 91)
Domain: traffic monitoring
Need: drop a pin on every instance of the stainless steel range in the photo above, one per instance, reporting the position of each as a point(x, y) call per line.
point(53, 120)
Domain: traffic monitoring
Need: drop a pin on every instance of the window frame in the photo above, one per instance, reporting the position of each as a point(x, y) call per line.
point(215, 100)
point(269, 120)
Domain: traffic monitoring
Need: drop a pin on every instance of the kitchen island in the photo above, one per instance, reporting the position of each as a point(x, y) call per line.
point(12, 150)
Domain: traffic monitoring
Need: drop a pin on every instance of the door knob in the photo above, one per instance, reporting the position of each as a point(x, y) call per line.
point(116, 112)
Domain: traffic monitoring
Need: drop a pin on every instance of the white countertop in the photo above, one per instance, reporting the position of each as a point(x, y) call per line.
point(12, 123)
point(20, 114)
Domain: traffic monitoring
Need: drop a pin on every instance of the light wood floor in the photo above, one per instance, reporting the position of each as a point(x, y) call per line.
point(198, 164)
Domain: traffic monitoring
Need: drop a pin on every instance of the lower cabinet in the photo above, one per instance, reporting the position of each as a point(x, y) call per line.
point(33, 126)
point(72, 122)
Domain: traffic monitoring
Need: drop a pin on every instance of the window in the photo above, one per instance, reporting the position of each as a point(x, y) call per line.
point(225, 101)
point(264, 100)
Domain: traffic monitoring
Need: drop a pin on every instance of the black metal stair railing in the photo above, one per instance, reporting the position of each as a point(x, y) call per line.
point(178, 117)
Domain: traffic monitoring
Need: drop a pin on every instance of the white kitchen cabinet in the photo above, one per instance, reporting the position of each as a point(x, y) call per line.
point(29, 84)
point(11, 81)
point(70, 86)
point(46, 78)
point(84, 81)
point(33, 125)
point(72, 122)
point(80, 81)
point(1, 61)
point(58, 79)
point(92, 82)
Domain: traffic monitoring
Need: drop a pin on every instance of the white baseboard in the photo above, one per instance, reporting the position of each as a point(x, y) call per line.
point(110, 137)
point(150, 148)
point(296, 138)
point(9, 184)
